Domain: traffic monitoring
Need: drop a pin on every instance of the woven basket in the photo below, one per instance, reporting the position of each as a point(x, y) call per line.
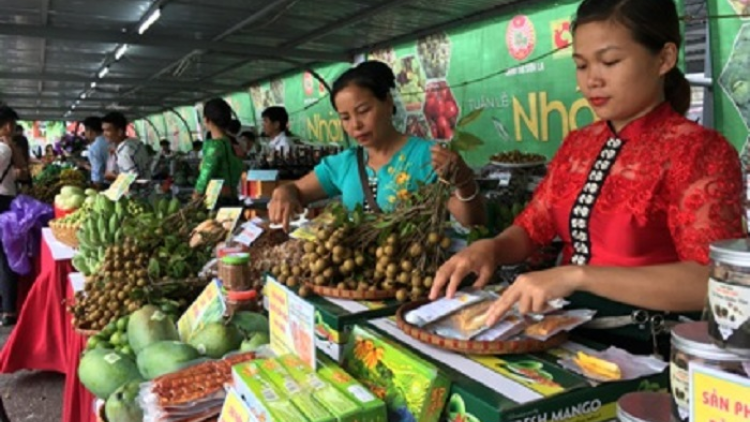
point(473, 347)
point(65, 235)
point(85, 333)
point(352, 294)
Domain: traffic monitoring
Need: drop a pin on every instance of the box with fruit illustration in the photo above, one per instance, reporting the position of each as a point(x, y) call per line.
point(335, 318)
point(413, 389)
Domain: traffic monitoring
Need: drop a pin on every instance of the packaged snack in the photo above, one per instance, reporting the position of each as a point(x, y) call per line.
point(466, 323)
point(598, 369)
point(274, 372)
point(554, 324)
point(265, 401)
point(372, 408)
point(443, 307)
point(504, 329)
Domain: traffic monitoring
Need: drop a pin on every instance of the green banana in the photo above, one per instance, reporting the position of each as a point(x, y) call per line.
point(114, 221)
point(118, 236)
point(79, 263)
point(174, 206)
point(119, 210)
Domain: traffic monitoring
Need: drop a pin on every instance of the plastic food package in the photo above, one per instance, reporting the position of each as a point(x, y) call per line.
point(466, 323)
point(554, 324)
point(614, 364)
point(438, 309)
point(503, 330)
point(20, 229)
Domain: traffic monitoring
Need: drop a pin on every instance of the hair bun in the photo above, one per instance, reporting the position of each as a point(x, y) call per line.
point(379, 71)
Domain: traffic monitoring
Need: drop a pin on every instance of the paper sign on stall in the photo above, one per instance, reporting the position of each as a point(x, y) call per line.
point(208, 307)
point(120, 186)
point(292, 322)
point(228, 218)
point(249, 234)
point(717, 396)
point(213, 190)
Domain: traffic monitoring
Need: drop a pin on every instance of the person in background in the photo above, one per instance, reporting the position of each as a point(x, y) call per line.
point(49, 155)
point(394, 163)
point(233, 131)
point(98, 150)
point(8, 282)
point(22, 162)
point(636, 197)
point(247, 138)
point(132, 155)
point(160, 162)
point(166, 148)
point(197, 151)
point(275, 122)
point(219, 160)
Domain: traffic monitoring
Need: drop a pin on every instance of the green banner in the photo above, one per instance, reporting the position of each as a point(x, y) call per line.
point(730, 55)
point(242, 106)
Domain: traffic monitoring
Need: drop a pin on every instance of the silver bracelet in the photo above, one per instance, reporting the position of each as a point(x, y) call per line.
point(471, 197)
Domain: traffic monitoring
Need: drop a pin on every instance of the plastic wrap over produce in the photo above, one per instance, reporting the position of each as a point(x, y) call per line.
point(20, 231)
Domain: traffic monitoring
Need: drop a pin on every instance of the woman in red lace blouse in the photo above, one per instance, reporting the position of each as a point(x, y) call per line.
point(636, 197)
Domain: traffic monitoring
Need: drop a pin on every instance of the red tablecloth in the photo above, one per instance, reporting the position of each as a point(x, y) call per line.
point(39, 340)
point(78, 402)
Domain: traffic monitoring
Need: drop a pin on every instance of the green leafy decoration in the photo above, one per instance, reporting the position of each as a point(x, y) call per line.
point(465, 141)
point(469, 118)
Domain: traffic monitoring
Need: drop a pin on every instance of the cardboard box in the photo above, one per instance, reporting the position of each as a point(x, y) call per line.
point(341, 406)
point(275, 372)
point(524, 388)
point(266, 402)
point(412, 388)
point(372, 408)
point(235, 409)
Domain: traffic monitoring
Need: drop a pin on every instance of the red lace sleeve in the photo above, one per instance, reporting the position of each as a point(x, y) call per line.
point(705, 184)
point(536, 219)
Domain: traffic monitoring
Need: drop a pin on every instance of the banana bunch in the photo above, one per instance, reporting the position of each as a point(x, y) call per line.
point(102, 228)
point(163, 208)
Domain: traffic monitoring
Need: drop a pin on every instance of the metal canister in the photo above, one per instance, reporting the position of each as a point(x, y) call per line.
point(729, 295)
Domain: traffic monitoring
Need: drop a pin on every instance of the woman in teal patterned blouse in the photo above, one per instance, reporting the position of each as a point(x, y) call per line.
point(395, 163)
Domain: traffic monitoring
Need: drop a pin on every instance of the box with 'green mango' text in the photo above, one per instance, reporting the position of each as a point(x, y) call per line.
point(373, 409)
point(265, 401)
point(274, 372)
point(334, 400)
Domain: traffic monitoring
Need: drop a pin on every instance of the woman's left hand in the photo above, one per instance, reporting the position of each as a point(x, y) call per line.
point(445, 161)
point(532, 291)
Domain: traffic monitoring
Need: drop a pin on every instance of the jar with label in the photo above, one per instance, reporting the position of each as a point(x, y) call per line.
point(729, 295)
point(644, 407)
point(237, 301)
point(234, 272)
point(691, 343)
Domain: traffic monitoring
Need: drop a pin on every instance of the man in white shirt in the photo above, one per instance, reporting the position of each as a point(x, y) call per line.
point(275, 122)
point(131, 154)
point(8, 286)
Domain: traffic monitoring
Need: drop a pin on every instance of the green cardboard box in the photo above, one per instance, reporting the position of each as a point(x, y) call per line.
point(412, 388)
point(524, 388)
point(343, 408)
point(265, 401)
point(373, 409)
point(273, 371)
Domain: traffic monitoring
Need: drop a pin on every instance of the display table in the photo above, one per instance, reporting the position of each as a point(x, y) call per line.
point(78, 402)
point(39, 340)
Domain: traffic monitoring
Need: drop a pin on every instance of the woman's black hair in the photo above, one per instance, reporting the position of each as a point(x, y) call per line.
point(372, 75)
point(653, 24)
point(8, 115)
point(248, 134)
point(22, 143)
point(278, 114)
point(197, 145)
point(218, 112)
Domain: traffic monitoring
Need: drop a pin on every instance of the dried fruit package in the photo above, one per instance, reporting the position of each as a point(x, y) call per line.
point(554, 324)
point(443, 307)
point(464, 324)
point(505, 329)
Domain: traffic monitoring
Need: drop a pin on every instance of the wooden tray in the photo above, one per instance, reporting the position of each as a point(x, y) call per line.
point(351, 294)
point(474, 347)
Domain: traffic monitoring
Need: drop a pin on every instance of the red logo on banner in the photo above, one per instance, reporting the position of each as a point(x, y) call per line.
point(520, 37)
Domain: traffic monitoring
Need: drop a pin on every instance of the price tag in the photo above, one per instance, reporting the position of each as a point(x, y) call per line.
point(213, 190)
point(503, 178)
point(249, 234)
point(228, 217)
point(262, 175)
point(717, 396)
point(292, 322)
point(208, 307)
point(120, 186)
point(235, 409)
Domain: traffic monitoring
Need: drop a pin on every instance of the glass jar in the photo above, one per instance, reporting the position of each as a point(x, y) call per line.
point(691, 343)
point(644, 407)
point(234, 272)
point(237, 301)
point(729, 295)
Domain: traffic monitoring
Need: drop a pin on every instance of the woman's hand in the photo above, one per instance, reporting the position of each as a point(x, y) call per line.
point(284, 204)
point(479, 259)
point(449, 163)
point(532, 291)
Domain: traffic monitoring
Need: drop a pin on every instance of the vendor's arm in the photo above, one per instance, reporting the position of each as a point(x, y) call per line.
point(466, 204)
point(289, 200)
point(705, 187)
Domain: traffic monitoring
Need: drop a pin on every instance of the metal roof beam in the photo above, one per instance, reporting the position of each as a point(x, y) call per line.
point(343, 23)
point(187, 85)
point(99, 36)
